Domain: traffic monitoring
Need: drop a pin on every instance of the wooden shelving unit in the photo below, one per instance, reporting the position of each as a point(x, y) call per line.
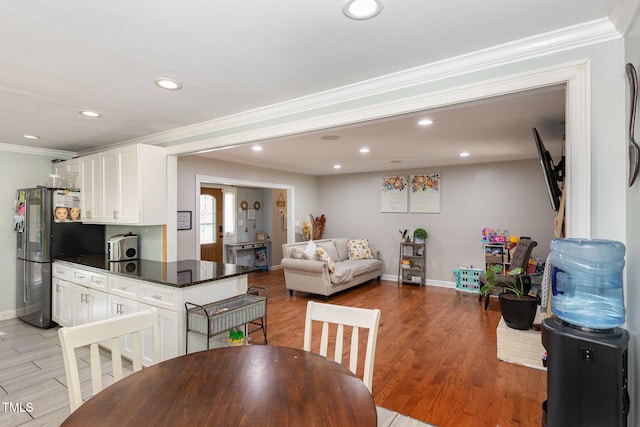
point(412, 266)
point(497, 253)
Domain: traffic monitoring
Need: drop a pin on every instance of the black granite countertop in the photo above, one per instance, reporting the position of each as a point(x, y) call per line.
point(178, 274)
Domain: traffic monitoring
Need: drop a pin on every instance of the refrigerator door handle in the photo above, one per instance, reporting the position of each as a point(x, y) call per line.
point(25, 295)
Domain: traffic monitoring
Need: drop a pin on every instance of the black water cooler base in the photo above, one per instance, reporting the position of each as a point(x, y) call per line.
point(586, 376)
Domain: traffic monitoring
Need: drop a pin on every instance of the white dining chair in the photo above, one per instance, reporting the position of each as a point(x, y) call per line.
point(112, 330)
point(342, 316)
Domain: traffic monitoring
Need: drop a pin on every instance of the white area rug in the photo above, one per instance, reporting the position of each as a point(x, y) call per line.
point(388, 418)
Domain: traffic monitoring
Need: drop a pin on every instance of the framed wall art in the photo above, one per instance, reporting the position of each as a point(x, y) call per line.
point(394, 194)
point(424, 193)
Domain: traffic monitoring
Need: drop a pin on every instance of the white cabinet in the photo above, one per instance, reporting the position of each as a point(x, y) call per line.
point(79, 296)
point(87, 294)
point(61, 304)
point(98, 305)
point(126, 185)
point(169, 327)
point(87, 305)
point(90, 189)
point(119, 306)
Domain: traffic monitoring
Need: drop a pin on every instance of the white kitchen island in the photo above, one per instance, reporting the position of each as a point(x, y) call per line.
point(90, 288)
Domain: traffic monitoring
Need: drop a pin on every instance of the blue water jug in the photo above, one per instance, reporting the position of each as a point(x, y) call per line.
point(587, 282)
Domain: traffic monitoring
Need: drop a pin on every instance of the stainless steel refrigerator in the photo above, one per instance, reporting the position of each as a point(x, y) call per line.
point(48, 225)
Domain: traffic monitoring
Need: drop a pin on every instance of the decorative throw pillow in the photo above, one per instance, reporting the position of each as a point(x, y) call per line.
point(322, 255)
point(359, 249)
point(310, 250)
point(297, 253)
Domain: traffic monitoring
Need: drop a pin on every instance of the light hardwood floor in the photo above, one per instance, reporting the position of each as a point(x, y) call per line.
point(435, 359)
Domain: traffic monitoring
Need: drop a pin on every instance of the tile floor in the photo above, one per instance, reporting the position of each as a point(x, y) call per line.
point(33, 388)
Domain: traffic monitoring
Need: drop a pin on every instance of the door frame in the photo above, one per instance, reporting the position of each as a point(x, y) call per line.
point(225, 182)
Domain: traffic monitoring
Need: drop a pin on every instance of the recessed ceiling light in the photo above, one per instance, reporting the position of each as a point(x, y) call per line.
point(364, 150)
point(169, 84)
point(256, 148)
point(31, 136)
point(337, 166)
point(330, 137)
point(362, 9)
point(425, 122)
point(88, 113)
point(464, 154)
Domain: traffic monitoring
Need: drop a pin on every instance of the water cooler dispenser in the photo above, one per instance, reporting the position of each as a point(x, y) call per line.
point(586, 348)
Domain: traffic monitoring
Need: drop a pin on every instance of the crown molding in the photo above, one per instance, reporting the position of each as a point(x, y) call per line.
point(569, 38)
point(623, 14)
point(59, 154)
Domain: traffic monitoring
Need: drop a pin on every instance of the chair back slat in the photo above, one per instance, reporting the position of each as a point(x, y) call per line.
point(109, 330)
point(96, 368)
point(341, 316)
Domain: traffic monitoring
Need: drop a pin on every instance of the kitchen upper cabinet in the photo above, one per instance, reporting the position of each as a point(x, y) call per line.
point(91, 189)
point(125, 186)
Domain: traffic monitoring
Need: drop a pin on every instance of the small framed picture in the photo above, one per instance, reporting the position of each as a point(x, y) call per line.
point(261, 237)
point(184, 220)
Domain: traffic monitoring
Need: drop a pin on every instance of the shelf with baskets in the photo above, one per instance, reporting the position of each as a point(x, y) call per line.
point(412, 267)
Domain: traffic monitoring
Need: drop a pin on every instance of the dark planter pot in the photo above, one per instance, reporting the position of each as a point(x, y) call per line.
point(518, 313)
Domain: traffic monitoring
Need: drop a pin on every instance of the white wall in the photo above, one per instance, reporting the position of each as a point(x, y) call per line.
point(16, 171)
point(508, 195)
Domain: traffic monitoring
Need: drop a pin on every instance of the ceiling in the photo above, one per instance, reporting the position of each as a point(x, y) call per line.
point(62, 57)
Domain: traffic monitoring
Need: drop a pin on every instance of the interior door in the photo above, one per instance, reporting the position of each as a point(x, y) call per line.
point(211, 232)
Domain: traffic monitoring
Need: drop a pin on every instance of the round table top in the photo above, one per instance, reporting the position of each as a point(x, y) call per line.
point(234, 386)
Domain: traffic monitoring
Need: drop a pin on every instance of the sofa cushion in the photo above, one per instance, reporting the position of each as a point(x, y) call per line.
point(342, 273)
point(359, 249)
point(363, 266)
point(341, 248)
point(310, 250)
point(329, 248)
point(322, 255)
point(347, 270)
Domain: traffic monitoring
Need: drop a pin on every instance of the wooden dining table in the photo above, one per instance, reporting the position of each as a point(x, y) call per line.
point(235, 386)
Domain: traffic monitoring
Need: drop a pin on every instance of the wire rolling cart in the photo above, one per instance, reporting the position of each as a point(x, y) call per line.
point(219, 316)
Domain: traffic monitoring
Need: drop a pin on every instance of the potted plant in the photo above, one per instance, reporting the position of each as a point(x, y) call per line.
point(517, 306)
point(491, 272)
point(419, 235)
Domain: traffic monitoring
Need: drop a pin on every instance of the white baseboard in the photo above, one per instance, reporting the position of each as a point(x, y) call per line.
point(439, 283)
point(9, 314)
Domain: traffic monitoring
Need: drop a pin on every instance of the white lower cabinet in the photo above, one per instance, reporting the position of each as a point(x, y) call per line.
point(119, 306)
point(84, 295)
point(61, 304)
point(87, 305)
point(169, 327)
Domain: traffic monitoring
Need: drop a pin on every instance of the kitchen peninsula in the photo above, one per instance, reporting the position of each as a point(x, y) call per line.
point(90, 288)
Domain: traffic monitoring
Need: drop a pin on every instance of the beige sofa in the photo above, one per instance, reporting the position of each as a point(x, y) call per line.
point(314, 276)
